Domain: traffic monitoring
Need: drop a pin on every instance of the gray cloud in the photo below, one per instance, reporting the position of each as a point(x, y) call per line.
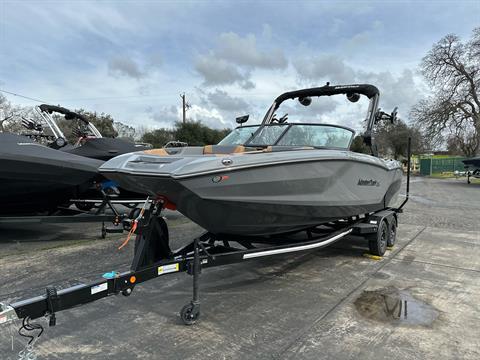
point(314, 112)
point(217, 71)
point(244, 52)
point(165, 116)
point(155, 60)
point(400, 90)
point(125, 67)
point(234, 59)
point(222, 101)
point(325, 67)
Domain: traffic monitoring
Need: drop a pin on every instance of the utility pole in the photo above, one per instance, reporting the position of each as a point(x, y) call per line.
point(185, 107)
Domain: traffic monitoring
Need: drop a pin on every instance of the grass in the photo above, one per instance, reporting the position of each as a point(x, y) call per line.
point(451, 175)
point(443, 175)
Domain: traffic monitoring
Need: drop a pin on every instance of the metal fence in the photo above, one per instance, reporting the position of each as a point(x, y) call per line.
point(429, 166)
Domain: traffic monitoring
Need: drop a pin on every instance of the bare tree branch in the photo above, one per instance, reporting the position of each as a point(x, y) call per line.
point(452, 69)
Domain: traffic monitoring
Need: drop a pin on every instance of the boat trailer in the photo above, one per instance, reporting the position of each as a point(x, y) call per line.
point(153, 258)
point(65, 215)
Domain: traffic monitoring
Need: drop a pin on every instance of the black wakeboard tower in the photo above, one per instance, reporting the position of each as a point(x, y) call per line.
point(69, 115)
point(45, 111)
point(353, 92)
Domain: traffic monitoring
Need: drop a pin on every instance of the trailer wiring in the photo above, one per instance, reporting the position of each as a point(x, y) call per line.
point(134, 225)
point(28, 326)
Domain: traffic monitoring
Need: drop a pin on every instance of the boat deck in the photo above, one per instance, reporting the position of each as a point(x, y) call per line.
point(302, 306)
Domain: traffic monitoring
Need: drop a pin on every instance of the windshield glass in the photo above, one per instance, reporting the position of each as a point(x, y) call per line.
point(303, 135)
point(317, 135)
point(268, 135)
point(239, 136)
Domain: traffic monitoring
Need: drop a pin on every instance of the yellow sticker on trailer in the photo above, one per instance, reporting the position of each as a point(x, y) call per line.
point(165, 269)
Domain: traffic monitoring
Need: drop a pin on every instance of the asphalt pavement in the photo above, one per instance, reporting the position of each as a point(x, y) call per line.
point(420, 301)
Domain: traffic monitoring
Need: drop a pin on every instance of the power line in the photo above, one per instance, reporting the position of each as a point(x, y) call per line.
point(23, 96)
point(114, 97)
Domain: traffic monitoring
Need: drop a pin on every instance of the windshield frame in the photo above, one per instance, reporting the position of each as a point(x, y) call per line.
point(289, 125)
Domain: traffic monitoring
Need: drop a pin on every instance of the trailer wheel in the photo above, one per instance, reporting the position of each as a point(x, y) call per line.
point(377, 243)
point(392, 238)
point(189, 314)
point(84, 206)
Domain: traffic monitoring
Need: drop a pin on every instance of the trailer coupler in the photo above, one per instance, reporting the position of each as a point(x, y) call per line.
point(7, 314)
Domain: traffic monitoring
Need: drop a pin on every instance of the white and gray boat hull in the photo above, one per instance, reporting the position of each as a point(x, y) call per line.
point(263, 194)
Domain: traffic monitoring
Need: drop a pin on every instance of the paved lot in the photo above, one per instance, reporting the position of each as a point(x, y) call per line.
point(303, 306)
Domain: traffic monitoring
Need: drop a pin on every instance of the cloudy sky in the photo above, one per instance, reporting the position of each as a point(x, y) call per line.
point(132, 59)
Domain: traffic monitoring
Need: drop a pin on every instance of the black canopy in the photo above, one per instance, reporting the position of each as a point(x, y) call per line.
point(327, 90)
point(69, 115)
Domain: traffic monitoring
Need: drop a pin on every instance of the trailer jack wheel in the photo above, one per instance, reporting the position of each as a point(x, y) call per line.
point(190, 313)
point(127, 292)
point(377, 242)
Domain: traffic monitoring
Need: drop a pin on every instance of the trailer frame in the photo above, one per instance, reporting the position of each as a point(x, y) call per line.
point(153, 258)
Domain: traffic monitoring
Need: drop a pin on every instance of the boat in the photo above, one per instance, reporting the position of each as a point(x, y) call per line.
point(472, 165)
point(90, 142)
point(37, 179)
point(272, 178)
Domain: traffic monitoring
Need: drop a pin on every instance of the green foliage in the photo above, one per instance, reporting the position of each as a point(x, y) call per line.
point(194, 133)
point(359, 146)
point(392, 139)
point(158, 137)
point(124, 131)
point(103, 122)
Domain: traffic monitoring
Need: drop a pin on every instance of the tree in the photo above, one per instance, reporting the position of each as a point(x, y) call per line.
point(124, 131)
point(103, 122)
point(358, 145)
point(158, 137)
point(8, 112)
point(392, 139)
point(193, 133)
point(452, 69)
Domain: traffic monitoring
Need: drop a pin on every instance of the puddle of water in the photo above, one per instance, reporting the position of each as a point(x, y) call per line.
point(391, 305)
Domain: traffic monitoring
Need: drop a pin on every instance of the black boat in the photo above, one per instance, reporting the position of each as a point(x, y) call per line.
point(90, 142)
point(36, 178)
point(472, 166)
point(472, 163)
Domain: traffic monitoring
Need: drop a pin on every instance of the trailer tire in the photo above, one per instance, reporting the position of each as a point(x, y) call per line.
point(189, 314)
point(377, 242)
point(392, 236)
point(84, 206)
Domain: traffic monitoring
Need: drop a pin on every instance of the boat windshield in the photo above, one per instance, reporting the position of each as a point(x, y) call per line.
point(240, 135)
point(316, 135)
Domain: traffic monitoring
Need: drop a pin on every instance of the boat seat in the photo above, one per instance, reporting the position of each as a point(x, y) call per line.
point(160, 152)
point(225, 149)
